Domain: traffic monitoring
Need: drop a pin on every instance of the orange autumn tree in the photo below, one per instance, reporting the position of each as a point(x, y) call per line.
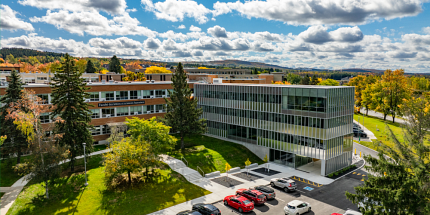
point(132, 66)
point(281, 82)
point(27, 67)
point(396, 89)
point(45, 164)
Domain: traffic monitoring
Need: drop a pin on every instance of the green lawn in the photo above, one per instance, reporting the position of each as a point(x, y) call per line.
point(71, 197)
point(211, 154)
point(100, 147)
point(373, 123)
point(7, 175)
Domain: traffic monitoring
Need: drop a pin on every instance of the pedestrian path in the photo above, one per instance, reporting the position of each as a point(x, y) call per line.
point(370, 135)
point(11, 193)
point(180, 167)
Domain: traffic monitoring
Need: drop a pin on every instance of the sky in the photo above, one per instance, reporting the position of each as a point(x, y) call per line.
point(329, 34)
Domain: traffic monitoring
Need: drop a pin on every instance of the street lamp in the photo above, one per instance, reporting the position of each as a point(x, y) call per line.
point(85, 163)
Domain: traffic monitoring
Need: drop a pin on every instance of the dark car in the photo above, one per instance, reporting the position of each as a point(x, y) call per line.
point(206, 209)
point(189, 213)
point(269, 192)
point(254, 196)
point(359, 133)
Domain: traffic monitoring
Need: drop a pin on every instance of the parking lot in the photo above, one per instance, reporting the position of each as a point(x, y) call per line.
point(324, 199)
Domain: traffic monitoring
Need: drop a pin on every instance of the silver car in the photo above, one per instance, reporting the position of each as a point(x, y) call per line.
point(269, 192)
point(285, 183)
point(297, 207)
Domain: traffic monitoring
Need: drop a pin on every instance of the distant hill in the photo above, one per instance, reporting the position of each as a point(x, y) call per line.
point(20, 52)
point(237, 63)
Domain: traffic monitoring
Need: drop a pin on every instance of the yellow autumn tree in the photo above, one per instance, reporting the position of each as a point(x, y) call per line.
point(132, 66)
point(156, 70)
point(81, 64)
point(104, 71)
point(281, 82)
point(203, 67)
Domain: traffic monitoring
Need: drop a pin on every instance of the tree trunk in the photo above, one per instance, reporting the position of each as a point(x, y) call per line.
point(72, 163)
point(394, 116)
point(367, 111)
point(182, 142)
point(18, 156)
point(385, 116)
point(129, 177)
point(46, 186)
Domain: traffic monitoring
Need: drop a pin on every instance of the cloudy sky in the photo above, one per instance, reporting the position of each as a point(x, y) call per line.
point(330, 34)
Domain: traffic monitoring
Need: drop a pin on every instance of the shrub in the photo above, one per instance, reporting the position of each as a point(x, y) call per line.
point(336, 174)
point(330, 175)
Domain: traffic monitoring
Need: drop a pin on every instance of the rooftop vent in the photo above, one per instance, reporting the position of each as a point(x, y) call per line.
point(152, 81)
point(103, 81)
point(147, 81)
point(111, 81)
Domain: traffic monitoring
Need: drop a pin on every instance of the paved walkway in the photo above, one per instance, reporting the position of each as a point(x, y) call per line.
point(370, 135)
point(381, 116)
point(182, 168)
point(11, 193)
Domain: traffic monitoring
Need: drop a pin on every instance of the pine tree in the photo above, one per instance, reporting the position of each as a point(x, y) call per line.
point(16, 141)
point(305, 80)
point(399, 184)
point(314, 80)
point(68, 95)
point(114, 65)
point(182, 112)
point(90, 67)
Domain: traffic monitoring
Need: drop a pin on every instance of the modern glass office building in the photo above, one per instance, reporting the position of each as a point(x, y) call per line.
point(293, 124)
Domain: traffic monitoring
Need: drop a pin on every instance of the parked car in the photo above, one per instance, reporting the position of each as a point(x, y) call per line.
point(188, 212)
point(285, 183)
point(351, 212)
point(206, 209)
point(239, 202)
point(269, 192)
point(361, 205)
point(254, 196)
point(297, 207)
point(357, 133)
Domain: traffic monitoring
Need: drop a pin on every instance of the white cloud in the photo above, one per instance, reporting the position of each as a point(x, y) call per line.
point(110, 6)
point(9, 21)
point(119, 43)
point(131, 10)
point(176, 10)
point(314, 12)
point(217, 31)
point(426, 30)
point(194, 28)
point(93, 23)
point(181, 27)
point(319, 35)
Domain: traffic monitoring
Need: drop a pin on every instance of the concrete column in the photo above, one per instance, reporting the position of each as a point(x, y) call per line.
point(323, 167)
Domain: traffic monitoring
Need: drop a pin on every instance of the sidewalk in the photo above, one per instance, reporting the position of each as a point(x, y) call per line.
point(219, 191)
point(381, 116)
point(11, 193)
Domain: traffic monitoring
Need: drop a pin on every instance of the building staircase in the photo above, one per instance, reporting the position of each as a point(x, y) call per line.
point(180, 167)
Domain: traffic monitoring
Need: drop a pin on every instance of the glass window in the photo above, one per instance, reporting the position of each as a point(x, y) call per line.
point(44, 118)
point(42, 78)
point(94, 79)
point(108, 96)
point(106, 129)
point(96, 130)
point(160, 93)
point(44, 98)
point(121, 95)
point(159, 108)
point(95, 113)
point(122, 111)
point(29, 80)
point(136, 109)
point(135, 94)
point(146, 94)
point(93, 96)
point(108, 112)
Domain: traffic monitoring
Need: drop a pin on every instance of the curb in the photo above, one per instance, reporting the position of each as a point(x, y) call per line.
point(364, 163)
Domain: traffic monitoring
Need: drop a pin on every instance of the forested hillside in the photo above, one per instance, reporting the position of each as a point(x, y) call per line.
point(19, 52)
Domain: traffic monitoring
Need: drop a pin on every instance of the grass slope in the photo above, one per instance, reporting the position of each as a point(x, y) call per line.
point(69, 196)
point(7, 175)
point(211, 154)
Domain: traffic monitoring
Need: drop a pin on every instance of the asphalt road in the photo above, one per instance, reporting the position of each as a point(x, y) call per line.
point(324, 200)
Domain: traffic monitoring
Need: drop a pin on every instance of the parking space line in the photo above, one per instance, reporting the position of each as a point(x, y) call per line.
point(230, 208)
point(279, 199)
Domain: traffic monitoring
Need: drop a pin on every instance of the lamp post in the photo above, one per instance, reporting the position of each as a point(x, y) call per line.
point(85, 163)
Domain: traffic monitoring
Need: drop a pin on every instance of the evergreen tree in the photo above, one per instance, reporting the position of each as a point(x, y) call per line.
point(314, 80)
point(16, 141)
point(305, 80)
point(399, 183)
point(114, 65)
point(68, 95)
point(182, 112)
point(90, 67)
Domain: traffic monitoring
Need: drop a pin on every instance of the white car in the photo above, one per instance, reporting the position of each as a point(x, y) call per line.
point(351, 212)
point(285, 183)
point(297, 207)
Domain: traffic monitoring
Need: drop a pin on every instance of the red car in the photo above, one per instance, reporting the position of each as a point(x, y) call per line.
point(239, 202)
point(254, 196)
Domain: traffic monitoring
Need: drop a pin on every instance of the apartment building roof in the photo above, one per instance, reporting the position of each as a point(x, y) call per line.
point(279, 85)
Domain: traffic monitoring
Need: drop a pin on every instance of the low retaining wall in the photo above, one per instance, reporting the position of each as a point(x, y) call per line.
point(236, 169)
point(213, 174)
point(252, 166)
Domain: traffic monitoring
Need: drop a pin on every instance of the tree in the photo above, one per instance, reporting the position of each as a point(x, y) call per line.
point(359, 83)
point(156, 69)
point(255, 71)
point(247, 163)
point(90, 67)
point(16, 143)
point(266, 160)
point(11, 59)
point(114, 65)
point(400, 182)
point(131, 76)
point(126, 156)
point(122, 70)
point(2, 60)
point(132, 66)
point(314, 80)
point(182, 111)
point(2, 139)
point(395, 89)
point(227, 168)
point(378, 98)
point(68, 98)
point(33, 60)
point(45, 164)
point(293, 78)
point(305, 80)
point(329, 82)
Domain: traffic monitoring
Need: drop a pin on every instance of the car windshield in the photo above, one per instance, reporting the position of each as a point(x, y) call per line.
point(246, 202)
point(291, 207)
